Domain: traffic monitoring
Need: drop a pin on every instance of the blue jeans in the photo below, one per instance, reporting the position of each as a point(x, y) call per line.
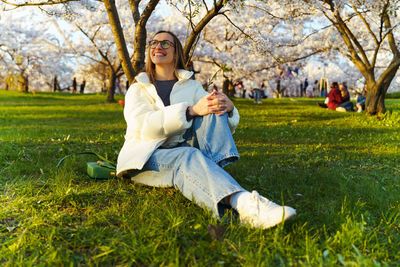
point(257, 95)
point(196, 170)
point(347, 105)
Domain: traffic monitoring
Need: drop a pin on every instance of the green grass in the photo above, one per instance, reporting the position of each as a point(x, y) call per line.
point(393, 95)
point(341, 171)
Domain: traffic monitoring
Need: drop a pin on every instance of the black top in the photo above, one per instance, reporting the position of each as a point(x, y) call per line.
point(164, 89)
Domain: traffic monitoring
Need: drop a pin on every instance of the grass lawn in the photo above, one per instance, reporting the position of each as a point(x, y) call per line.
point(341, 171)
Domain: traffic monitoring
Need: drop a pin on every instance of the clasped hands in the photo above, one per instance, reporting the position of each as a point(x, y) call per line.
point(214, 102)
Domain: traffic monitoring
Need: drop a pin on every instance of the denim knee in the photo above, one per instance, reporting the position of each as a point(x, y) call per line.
point(189, 153)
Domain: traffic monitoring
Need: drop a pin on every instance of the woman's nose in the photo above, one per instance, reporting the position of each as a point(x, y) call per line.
point(158, 45)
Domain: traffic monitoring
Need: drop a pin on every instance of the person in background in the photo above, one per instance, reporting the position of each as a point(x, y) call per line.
point(361, 98)
point(316, 91)
point(118, 86)
point(82, 89)
point(334, 97)
point(263, 89)
point(74, 84)
point(346, 104)
point(56, 85)
point(178, 135)
point(256, 93)
point(243, 90)
point(304, 88)
point(323, 84)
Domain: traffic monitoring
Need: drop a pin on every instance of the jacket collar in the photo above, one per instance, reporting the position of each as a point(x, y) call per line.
point(143, 79)
point(182, 75)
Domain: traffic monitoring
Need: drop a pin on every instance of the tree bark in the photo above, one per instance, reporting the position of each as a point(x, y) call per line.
point(225, 86)
point(26, 84)
point(119, 40)
point(140, 32)
point(231, 89)
point(376, 92)
point(140, 48)
point(111, 86)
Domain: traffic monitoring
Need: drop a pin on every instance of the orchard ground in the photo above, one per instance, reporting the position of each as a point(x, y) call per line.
point(341, 171)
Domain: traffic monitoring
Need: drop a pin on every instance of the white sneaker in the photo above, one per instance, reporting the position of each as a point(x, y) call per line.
point(341, 109)
point(260, 212)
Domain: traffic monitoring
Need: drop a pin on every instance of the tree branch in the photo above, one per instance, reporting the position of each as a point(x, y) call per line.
point(391, 39)
point(148, 10)
point(237, 27)
point(205, 5)
point(190, 15)
point(141, 35)
point(102, 54)
point(352, 37)
point(119, 39)
point(135, 10)
point(194, 35)
point(353, 56)
point(44, 3)
point(366, 24)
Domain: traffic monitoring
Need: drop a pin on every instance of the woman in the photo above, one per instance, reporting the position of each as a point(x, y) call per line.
point(334, 96)
point(345, 104)
point(361, 98)
point(165, 110)
point(333, 99)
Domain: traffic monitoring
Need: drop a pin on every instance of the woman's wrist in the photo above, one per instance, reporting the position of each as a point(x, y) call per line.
point(192, 112)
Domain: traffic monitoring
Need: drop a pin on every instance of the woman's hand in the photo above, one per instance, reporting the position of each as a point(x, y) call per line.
point(219, 103)
point(215, 102)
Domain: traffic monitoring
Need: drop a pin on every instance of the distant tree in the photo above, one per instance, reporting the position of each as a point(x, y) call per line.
point(27, 50)
point(366, 32)
point(140, 20)
point(252, 39)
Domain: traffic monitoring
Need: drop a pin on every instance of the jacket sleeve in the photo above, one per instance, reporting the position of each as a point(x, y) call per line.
point(147, 121)
point(233, 120)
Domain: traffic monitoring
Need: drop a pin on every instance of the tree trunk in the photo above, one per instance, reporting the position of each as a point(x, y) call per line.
point(140, 32)
point(375, 102)
point(111, 87)
point(231, 88)
point(26, 84)
point(140, 48)
point(119, 41)
point(376, 91)
point(278, 88)
point(225, 86)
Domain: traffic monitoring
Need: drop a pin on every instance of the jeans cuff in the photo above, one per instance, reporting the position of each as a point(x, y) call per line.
point(226, 159)
point(220, 208)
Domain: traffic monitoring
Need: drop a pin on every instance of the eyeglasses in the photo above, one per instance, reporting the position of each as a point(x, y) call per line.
point(164, 44)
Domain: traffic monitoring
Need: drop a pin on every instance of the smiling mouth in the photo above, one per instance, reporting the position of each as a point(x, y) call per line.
point(158, 54)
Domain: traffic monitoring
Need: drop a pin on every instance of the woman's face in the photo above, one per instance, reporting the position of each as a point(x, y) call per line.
point(160, 55)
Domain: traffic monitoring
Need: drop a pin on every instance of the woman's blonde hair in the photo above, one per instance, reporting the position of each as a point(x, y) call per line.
point(179, 57)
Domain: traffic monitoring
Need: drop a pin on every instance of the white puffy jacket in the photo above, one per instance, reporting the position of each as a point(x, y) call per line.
point(150, 124)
